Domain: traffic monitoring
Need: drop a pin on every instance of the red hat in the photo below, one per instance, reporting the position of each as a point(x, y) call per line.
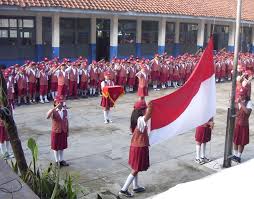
point(243, 92)
point(46, 59)
point(107, 74)
point(140, 104)
point(94, 62)
point(59, 99)
point(6, 73)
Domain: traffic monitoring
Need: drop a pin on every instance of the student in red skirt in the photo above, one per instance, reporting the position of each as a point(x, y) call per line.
point(21, 81)
point(241, 130)
point(43, 79)
point(142, 83)
point(202, 136)
point(60, 130)
point(106, 103)
point(5, 145)
point(139, 149)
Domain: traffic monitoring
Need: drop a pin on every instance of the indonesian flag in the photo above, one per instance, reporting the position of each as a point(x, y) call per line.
point(188, 107)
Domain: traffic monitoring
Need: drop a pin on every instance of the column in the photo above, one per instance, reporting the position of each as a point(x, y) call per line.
point(209, 31)
point(231, 39)
point(39, 46)
point(162, 36)
point(93, 40)
point(55, 36)
point(113, 37)
point(138, 37)
point(177, 47)
point(201, 34)
point(252, 40)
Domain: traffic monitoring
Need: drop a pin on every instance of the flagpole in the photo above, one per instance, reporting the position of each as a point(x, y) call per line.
point(231, 110)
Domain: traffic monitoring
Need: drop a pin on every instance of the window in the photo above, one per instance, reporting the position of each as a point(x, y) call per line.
point(67, 31)
point(4, 23)
point(188, 37)
point(83, 31)
point(47, 31)
point(170, 33)
point(3, 33)
point(17, 31)
point(149, 32)
point(126, 32)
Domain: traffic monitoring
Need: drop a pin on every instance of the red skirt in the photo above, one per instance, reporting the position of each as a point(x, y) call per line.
point(32, 88)
point(93, 83)
point(106, 102)
point(139, 158)
point(122, 81)
point(3, 135)
point(83, 85)
point(203, 134)
point(142, 92)
point(53, 86)
point(241, 135)
point(59, 141)
point(131, 81)
point(22, 92)
point(155, 75)
point(43, 90)
point(62, 90)
point(163, 77)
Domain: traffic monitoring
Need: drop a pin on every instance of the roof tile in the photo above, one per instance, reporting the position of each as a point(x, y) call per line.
point(206, 8)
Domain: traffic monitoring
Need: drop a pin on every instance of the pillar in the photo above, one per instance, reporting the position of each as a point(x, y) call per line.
point(231, 39)
point(138, 37)
point(93, 40)
point(39, 46)
point(55, 36)
point(209, 32)
point(177, 47)
point(113, 37)
point(201, 34)
point(252, 40)
point(162, 36)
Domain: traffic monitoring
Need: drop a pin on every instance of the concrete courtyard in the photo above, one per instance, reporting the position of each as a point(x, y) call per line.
point(98, 152)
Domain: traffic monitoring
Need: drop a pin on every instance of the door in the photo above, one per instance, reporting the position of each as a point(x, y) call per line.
point(102, 39)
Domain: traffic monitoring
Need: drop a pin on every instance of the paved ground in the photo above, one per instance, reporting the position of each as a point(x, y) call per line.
point(98, 153)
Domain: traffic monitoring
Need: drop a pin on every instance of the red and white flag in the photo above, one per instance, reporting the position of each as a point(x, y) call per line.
point(188, 107)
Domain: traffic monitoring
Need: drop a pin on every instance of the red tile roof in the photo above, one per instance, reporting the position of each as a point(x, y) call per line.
point(203, 8)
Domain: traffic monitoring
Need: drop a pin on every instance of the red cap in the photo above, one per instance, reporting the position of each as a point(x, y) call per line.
point(106, 74)
point(59, 99)
point(243, 92)
point(141, 104)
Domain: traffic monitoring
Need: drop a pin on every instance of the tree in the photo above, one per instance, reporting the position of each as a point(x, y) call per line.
point(7, 117)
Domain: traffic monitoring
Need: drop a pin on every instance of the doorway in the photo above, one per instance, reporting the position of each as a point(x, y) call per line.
point(102, 39)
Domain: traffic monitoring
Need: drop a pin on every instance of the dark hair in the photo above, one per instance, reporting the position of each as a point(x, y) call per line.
point(136, 113)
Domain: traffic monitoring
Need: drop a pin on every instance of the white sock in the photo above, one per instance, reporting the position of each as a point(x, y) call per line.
point(203, 147)
point(198, 151)
point(105, 115)
point(94, 91)
point(91, 91)
point(3, 148)
point(128, 182)
point(108, 115)
point(8, 146)
point(235, 152)
point(60, 153)
point(239, 155)
point(135, 182)
point(41, 98)
point(56, 155)
point(53, 95)
point(46, 98)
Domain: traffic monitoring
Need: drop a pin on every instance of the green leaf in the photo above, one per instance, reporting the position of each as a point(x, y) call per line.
point(31, 144)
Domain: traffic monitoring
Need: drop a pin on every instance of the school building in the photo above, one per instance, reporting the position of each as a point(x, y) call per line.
point(96, 29)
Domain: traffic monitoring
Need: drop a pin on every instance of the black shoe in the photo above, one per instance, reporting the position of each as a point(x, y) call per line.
point(234, 158)
point(139, 190)
point(238, 159)
point(126, 193)
point(64, 164)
